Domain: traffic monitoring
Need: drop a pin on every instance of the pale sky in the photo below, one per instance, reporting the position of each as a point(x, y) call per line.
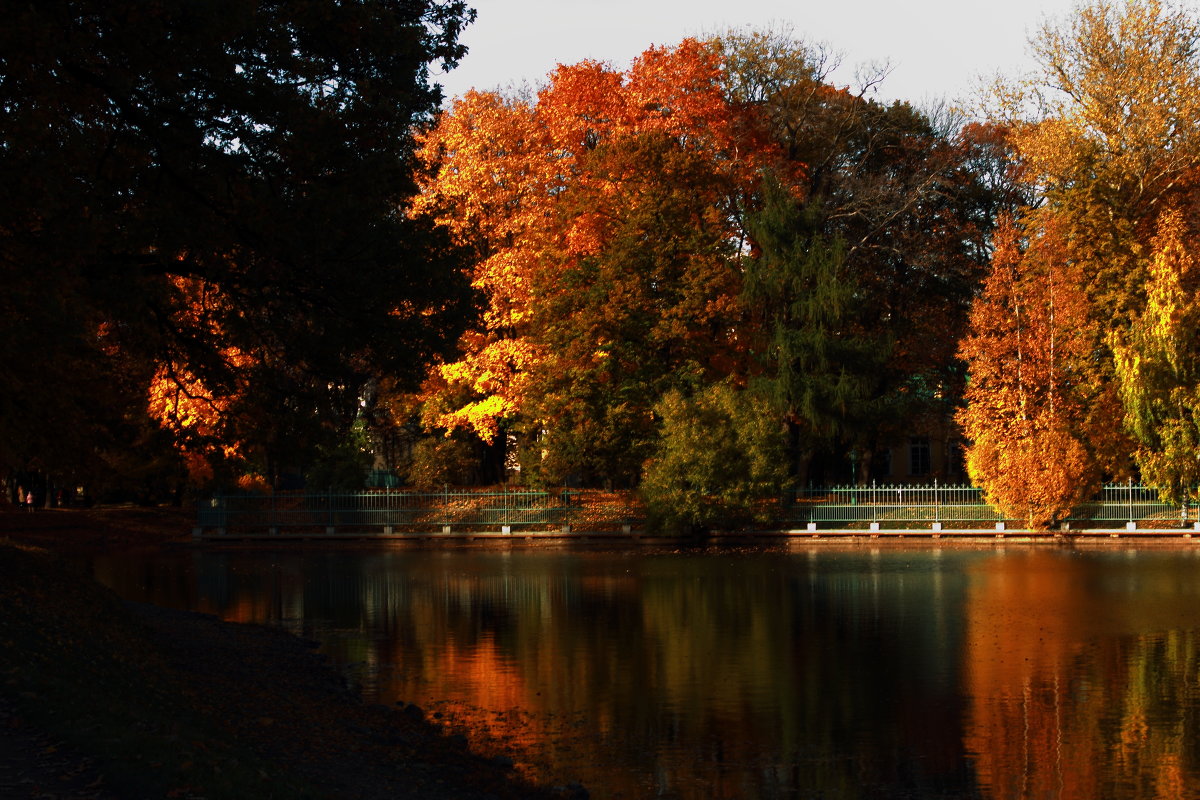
point(938, 49)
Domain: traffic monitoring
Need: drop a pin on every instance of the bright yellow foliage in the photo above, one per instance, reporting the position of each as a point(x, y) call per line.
point(1158, 364)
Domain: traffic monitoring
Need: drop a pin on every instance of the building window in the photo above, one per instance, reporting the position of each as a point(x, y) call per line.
point(918, 456)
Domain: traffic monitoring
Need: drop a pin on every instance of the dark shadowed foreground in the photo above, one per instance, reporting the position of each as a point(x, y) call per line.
point(102, 698)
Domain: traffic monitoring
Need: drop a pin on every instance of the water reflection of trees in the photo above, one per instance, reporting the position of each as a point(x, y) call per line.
point(1083, 684)
point(688, 676)
point(1027, 675)
point(755, 678)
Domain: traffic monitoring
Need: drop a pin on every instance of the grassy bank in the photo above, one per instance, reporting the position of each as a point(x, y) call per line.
point(174, 704)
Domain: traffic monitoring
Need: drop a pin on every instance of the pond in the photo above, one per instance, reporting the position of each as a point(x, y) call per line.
point(791, 672)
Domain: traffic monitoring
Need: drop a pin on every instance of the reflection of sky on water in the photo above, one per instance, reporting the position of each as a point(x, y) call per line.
point(804, 672)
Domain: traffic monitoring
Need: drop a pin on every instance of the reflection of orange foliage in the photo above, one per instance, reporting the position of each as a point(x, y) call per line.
point(1022, 632)
point(486, 676)
point(1068, 696)
point(1170, 777)
point(247, 607)
point(483, 693)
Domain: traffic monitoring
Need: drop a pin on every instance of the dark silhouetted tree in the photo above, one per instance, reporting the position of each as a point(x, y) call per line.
point(257, 153)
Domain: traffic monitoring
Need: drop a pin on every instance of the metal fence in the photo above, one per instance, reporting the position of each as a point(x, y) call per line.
point(964, 506)
point(1134, 503)
point(876, 507)
point(893, 506)
point(399, 511)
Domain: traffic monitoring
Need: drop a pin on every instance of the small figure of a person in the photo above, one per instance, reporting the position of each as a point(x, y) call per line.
point(29, 502)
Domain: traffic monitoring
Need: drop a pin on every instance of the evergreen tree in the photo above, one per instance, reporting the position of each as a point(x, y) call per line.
point(822, 367)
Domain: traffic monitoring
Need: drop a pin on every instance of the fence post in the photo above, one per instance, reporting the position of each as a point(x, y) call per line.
point(505, 527)
point(387, 515)
point(874, 506)
point(567, 517)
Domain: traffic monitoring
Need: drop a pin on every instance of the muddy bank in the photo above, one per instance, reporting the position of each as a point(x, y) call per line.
point(103, 698)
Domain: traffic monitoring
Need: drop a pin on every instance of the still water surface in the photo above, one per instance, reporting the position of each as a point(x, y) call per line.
point(788, 673)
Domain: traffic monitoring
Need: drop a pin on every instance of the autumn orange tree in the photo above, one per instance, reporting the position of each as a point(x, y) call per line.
point(495, 178)
point(607, 216)
point(648, 310)
point(1110, 132)
point(1028, 351)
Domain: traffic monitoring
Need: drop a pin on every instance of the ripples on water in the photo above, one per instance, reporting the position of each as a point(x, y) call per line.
point(806, 672)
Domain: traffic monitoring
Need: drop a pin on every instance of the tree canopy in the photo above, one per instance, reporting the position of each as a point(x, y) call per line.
point(716, 212)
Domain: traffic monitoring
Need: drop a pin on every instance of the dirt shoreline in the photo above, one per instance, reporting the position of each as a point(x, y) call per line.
point(227, 699)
